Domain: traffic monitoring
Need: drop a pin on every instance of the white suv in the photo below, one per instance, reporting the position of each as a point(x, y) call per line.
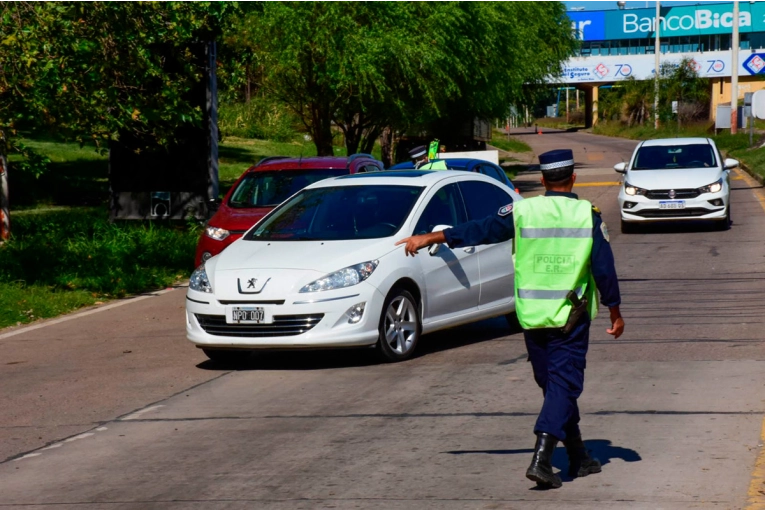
point(675, 179)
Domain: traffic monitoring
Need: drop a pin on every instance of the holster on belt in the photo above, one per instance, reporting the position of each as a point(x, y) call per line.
point(577, 310)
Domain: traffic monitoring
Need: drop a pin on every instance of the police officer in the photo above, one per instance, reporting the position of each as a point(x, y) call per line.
point(562, 245)
point(419, 156)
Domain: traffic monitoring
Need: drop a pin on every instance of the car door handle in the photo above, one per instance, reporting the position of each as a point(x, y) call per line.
point(469, 249)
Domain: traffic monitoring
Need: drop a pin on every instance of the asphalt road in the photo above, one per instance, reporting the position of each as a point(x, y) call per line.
point(115, 409)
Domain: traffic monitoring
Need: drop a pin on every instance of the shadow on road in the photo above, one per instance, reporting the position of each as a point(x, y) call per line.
point(602, 449)
point(323, 359)
point(682, 227)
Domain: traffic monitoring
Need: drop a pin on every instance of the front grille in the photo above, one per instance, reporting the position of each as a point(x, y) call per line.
point(673, 213)
point(663, 194)
point(251, 302)
point(283, 325)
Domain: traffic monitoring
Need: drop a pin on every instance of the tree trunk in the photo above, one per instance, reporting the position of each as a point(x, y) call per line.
point(352, 129)
point(370, 137)
point(321, 130)
point(247, 89)
point(386, 143)
point(5, 218)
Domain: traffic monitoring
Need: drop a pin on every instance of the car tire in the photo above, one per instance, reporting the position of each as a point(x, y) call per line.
point(400, 326)
point(228, 357)
point(628, 228)
point(727, 222)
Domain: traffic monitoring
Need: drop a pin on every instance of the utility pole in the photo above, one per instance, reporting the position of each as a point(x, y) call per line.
point(734, 73)
point(566, 104)
point(657, 50)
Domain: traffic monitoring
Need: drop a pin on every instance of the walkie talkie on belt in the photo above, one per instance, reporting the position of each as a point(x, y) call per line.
point(579, 308)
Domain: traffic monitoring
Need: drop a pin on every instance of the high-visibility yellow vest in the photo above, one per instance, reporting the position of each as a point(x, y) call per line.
point(438, 164)
point(553, 245)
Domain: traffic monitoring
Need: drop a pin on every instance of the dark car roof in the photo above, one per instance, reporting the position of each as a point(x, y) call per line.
point(389, 173)
point(451, 163)
point(460, 164)
point(314, 162)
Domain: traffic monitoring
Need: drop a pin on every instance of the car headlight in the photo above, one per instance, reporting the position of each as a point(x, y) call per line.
point(217, 233)
point(346, 277)
point(199, 280)
point(633, 190)
point(715, 187)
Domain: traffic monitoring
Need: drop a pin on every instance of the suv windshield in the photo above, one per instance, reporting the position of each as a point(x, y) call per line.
point(339, 213)
point(271, 188)
point(660, 157)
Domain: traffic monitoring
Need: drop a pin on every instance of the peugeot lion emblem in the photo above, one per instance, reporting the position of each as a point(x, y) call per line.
point(671, 193)
point(252, 283)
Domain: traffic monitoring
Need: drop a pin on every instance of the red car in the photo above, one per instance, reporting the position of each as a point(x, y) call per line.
point(266, 185)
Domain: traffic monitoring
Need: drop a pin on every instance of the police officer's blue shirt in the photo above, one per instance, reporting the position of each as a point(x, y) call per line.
point(496, 229)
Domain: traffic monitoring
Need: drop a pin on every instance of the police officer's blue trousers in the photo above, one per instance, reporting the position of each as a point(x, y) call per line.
point(559, 361)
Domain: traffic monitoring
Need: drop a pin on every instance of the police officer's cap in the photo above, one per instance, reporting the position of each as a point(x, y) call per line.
point(418, 151)
point(557, 165)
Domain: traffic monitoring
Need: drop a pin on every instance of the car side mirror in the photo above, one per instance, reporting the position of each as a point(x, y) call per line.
point(621, 167)
point(731, 163)
point(433, 249)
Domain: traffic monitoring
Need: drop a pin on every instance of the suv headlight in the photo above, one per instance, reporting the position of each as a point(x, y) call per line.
point(217, 233)
point(346, 277)
point(199, 281)
point(633, 190)
point(715, 187)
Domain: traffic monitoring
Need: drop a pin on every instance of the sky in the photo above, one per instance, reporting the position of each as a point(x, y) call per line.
point(601, 6)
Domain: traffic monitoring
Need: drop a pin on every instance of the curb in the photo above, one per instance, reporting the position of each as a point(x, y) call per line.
point(42, 323)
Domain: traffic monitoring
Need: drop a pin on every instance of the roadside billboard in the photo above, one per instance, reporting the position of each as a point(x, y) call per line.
point(690, 20)
point(608, 69)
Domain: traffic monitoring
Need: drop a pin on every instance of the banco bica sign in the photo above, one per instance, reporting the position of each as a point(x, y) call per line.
point(673, 21)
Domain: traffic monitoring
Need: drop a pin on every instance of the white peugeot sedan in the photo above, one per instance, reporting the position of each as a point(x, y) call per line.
point(675, 179)
point(322, 269)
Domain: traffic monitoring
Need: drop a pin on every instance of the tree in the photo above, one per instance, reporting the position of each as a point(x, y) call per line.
point(88, 71)
point(370, 66)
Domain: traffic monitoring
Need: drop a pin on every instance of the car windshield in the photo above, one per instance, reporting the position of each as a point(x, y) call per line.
point(339, 213)
point(271, 188)
point(661, 157)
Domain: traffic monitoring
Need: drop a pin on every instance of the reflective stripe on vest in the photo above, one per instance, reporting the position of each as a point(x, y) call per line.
point(553, 237)
point(438, 164)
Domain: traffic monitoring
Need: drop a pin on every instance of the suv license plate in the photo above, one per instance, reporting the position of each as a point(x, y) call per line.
point(672, 204)
point(246, 315)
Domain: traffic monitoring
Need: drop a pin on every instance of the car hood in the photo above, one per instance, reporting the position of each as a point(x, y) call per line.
point(285, 266)
point(238, 219)
point(680, 178)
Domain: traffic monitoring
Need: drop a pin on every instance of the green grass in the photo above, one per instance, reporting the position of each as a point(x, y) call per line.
point(77, 256)
point(555, 123)
point(735, 146)
point(235, 155)
point(501, 141)
point(75, 176)
point(20, 303)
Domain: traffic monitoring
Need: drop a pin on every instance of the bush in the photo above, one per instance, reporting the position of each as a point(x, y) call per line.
point(81, 250)
point(260, 118)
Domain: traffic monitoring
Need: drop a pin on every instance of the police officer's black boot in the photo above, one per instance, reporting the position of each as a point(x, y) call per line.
point(579, 461)
point(541, 470)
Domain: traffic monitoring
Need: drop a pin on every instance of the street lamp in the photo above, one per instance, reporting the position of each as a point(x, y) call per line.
point(656, 50)
point(734, 73)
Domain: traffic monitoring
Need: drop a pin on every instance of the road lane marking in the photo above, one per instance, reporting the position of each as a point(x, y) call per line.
point(137, 414)
point(27, 456)
point(583, 184)
point(756, 493)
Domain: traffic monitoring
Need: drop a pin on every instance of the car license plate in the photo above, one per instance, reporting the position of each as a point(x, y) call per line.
point(672, 204)
point(246, 315)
